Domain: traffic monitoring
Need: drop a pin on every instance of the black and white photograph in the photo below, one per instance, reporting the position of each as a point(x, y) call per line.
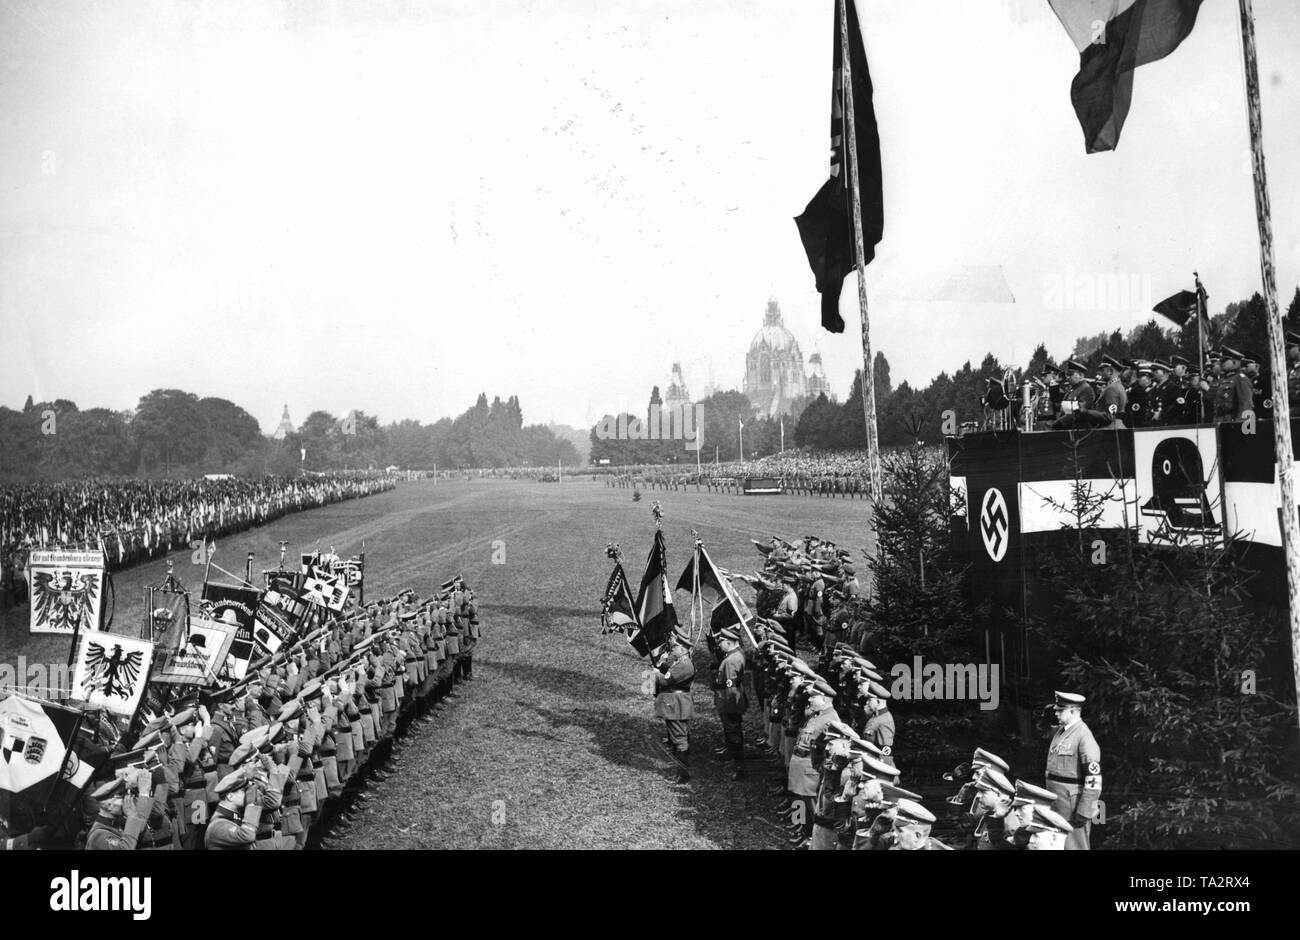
point(434, 426)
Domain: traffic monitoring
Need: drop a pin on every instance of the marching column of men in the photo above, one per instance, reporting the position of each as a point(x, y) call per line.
point(1157, 393)
point(270, 762)
point(830, 732)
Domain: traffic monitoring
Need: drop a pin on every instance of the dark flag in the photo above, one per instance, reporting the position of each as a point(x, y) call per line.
point(1112, 44)
point(654, 601)
point(728, 608)
point(826, 226)
point(618, 610)
point(1180, 308)
point(236, 604)
point(1183, 306)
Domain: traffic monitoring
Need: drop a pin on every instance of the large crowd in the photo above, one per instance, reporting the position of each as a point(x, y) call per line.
point(829, 735)
point(278, 760)
point(134, 520)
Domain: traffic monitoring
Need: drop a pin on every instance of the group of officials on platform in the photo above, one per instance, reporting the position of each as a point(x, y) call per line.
point(1141, 393)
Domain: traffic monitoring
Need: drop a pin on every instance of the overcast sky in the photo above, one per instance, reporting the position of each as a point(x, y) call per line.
point(394, 205)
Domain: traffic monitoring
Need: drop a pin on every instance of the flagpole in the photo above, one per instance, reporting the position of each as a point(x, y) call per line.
point(1277, 353)
point(1201, 317)
point(859, 253)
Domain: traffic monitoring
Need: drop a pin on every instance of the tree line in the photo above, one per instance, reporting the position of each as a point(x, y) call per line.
point(904, 414)
point(174, 433)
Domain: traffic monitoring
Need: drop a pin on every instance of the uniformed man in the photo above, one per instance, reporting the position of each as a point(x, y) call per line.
point(1158, 393)
point(673, 674)
point(1112, 400)
point(1141, 404)
point(238, 814)
point(994, 794)
point(1078, 400)
point(1233, 396)
point(1074, 768)
point(1048, 830)
point(730, 699)
point(1261, 388)
point(786, 609)
point(830, 810)
point(125, 803)
point(802, 777)
point(911, 825)
point(1027, 797)
point(879, 729)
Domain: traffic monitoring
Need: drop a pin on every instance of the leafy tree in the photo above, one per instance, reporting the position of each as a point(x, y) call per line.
point(171, 431)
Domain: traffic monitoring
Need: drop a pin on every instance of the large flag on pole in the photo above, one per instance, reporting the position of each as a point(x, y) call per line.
point(826, 226)
point(618, 609)
point(35, 738)
point(1114, 37)
point(728, 606)
point(1180, 308)
point(654, 601)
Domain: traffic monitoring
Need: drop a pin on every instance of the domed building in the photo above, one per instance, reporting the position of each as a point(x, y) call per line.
point(774, 376)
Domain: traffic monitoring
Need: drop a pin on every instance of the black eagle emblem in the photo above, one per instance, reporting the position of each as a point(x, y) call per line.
point(111, 674)
point(61, 604)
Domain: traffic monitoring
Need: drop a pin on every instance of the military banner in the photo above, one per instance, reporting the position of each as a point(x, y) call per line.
point(200, 657)
point(67, 589)
point(34, 741)
point(325, 590)
point(276, 623)
point(112, 671)
point(236, 604)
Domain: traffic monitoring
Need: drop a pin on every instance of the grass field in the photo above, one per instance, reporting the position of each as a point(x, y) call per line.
point(552, 745)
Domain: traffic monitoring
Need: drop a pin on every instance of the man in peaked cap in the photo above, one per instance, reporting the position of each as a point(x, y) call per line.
point(1026, 798)
point(1078, 400)
point(802, 778)
point(1112, 400)
point(1233, 396)
point(674, 672)
point(1161, 385)
point(1048, 830)
point(1261, 387)
point(911, 825)
point(730, 699)
point(1074, 768)
point(994, 794)
point(1141, 404)
point(879, 729)
point(125, 803)
point(235, 822)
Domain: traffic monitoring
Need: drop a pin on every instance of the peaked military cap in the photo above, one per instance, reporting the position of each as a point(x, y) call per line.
point(983, 758)
point(1029, 793)
point(1069, 700)
point(912, 812)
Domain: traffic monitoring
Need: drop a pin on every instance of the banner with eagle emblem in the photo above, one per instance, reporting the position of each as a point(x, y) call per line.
point(112, 671)
point(67, 590)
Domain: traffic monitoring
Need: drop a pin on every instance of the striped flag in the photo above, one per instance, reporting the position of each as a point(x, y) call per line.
point(1114, 37)
point(654, 601)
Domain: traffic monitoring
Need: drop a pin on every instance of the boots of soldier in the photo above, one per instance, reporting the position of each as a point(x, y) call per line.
point(684, 768)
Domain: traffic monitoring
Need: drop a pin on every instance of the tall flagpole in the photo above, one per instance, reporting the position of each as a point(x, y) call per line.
point(1201, 316)
point(859, 253)
point(1276, 352)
